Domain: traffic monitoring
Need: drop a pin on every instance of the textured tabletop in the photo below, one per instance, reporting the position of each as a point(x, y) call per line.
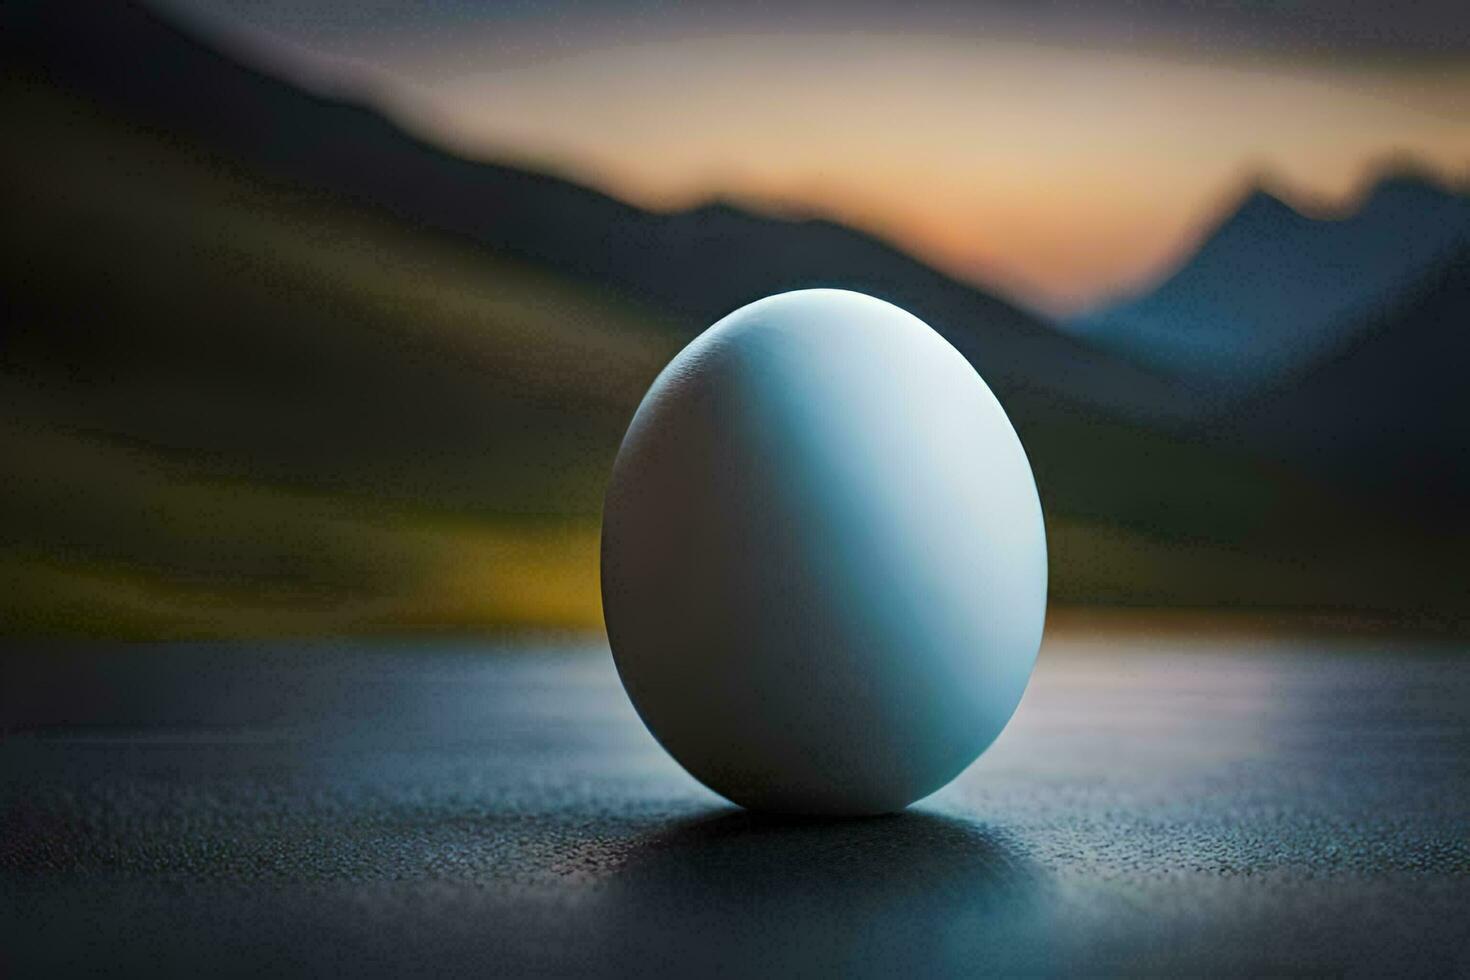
point(1170, 803)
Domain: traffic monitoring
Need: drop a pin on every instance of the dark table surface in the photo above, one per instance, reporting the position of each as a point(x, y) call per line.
point(1184, 802)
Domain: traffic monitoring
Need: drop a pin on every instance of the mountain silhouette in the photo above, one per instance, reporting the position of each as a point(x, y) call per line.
point(1389, 406)
point(700, 263)
point(1271, 290)
point(1067, 399)
point(264, 342)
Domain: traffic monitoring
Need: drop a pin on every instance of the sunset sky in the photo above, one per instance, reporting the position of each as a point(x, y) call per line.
point(1058, 152)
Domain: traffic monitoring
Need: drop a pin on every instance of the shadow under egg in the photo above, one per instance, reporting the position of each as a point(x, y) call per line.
point(743, 893)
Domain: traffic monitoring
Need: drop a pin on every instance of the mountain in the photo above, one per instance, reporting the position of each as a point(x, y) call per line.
point(1270, 290)
point(700, 264)
point(1388, 407)
point(234, 408)
point(275, 365)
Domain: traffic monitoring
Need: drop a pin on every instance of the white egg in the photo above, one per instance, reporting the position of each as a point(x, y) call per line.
point(823, 559)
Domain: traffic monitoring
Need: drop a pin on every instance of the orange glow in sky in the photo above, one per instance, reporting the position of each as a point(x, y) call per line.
point(1057, 173)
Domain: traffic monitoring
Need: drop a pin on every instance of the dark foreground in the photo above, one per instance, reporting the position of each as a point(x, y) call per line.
point(1165, 804)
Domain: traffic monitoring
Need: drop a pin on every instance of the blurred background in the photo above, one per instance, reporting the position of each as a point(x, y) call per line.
point(328, 316)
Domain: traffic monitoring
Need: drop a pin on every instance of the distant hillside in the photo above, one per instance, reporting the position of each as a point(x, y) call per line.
point(1389, 405)
point(230, 407)
point(274, 366)
point(1270, 290)
point(1332, 346)
point(698, 264)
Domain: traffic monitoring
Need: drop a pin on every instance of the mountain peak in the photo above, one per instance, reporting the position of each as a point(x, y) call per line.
point(1259, 211)
point(1409, 186)
point(1397, 186)
point(1260, 199)
point(1272, 289)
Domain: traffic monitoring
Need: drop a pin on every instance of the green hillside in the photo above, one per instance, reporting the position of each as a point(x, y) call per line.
point(236, 408)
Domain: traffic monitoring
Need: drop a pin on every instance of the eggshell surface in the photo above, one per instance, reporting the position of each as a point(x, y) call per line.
point(823, 558)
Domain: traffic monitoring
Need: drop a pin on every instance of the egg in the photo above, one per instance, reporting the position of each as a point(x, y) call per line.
point(823, 558)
